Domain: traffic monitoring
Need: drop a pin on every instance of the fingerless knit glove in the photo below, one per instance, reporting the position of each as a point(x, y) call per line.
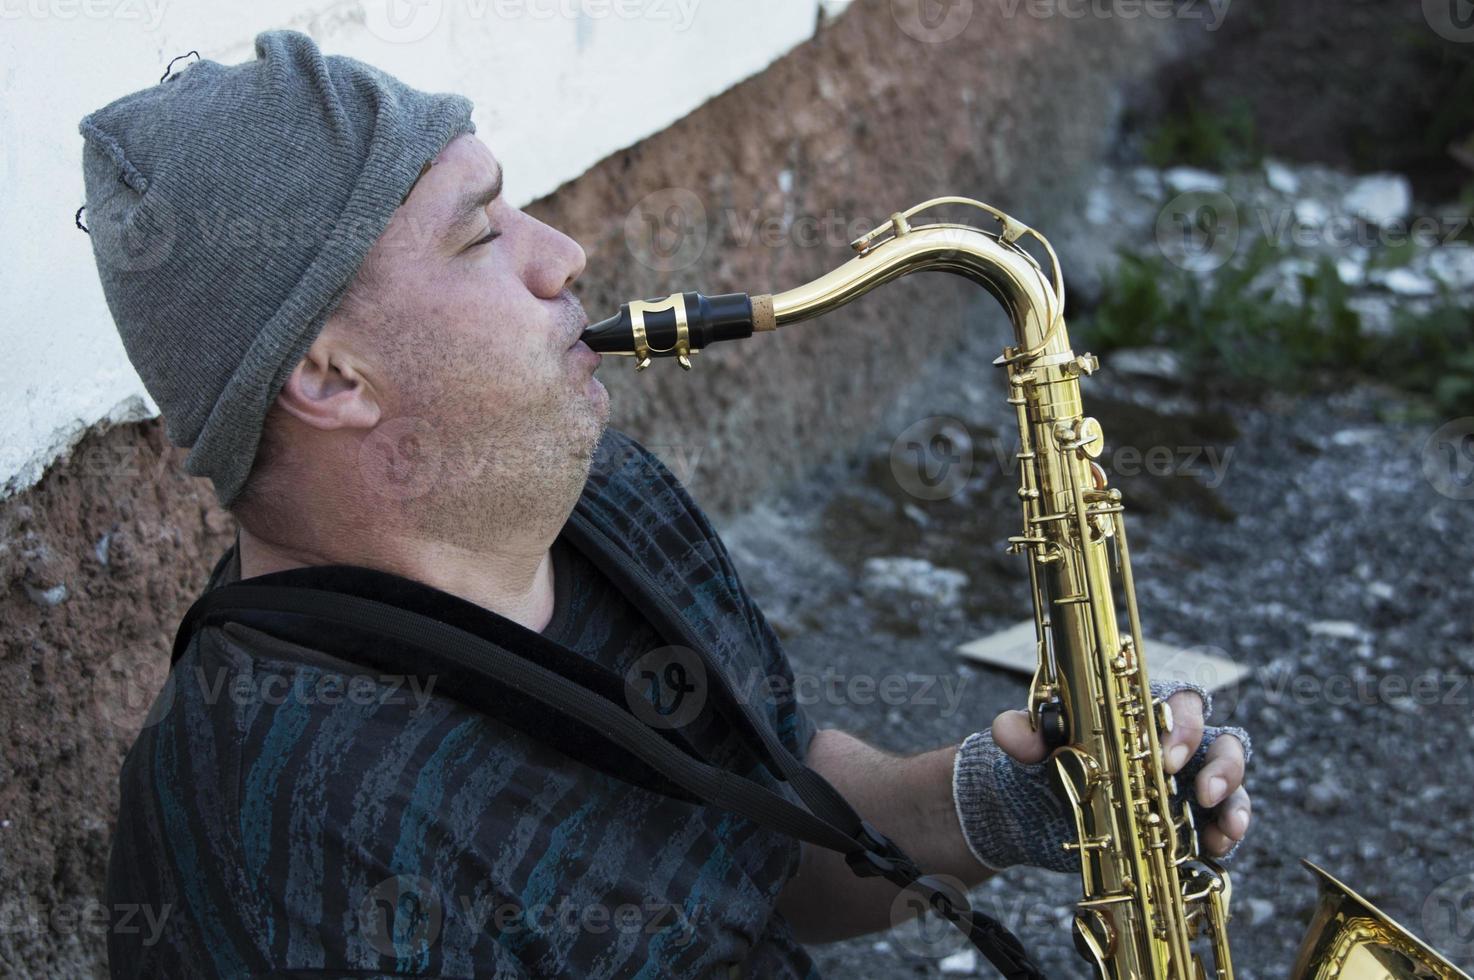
point(1010, 813)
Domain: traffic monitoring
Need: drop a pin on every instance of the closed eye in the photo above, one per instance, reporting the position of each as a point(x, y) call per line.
point(491, 236)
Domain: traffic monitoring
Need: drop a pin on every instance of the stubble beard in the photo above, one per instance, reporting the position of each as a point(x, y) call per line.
point(510, 477)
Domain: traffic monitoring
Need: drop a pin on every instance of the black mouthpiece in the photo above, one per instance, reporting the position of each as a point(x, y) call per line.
point(676, 326)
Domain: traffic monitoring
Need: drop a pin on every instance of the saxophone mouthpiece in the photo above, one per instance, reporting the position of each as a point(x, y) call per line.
point(609, 336)
point(679, 325)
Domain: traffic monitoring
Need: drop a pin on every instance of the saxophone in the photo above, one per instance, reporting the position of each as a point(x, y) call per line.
point(1153, 905)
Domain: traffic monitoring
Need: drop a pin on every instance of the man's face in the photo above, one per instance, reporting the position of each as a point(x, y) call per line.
point(470, 324)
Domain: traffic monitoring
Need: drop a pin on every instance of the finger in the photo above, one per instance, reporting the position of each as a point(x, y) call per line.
point(1223, 771)
point(1216, 842)
point(1230, 825)
point(1012, 734)
point(1234, 815)
point(1179, 744)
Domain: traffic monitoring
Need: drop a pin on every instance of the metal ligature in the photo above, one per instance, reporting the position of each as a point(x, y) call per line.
point(1153, 905)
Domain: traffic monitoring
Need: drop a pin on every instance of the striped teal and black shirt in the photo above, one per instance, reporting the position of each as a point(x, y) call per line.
point(286, 813)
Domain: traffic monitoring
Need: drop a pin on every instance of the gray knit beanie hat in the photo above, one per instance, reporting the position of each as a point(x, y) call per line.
point(230, 207)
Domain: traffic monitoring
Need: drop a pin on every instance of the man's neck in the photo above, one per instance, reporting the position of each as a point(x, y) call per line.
point(515, 581)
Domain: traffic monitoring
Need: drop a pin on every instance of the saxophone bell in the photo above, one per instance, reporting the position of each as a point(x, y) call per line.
point(1349, 938)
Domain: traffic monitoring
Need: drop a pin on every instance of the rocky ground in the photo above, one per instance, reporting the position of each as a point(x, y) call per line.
point(1394, 253)
point(1328, 549)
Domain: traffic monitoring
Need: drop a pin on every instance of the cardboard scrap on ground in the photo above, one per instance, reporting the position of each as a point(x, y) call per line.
point(1013, 649)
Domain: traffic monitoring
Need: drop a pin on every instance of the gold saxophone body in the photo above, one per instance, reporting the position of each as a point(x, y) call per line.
point(1153, 905)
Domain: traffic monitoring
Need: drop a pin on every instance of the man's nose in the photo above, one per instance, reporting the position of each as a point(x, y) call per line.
point(577, 260)
point(561, 260)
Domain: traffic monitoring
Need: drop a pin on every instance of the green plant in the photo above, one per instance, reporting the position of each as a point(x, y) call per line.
point(1134, 306)
point(1395, 256)
point(1231, 326)
point(1465, 206)
point(1214, 138)
point(1453, 115)
point(1232, 322)
point(1432, 354)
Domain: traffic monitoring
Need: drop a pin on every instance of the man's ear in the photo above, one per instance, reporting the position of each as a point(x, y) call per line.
point(327, 390)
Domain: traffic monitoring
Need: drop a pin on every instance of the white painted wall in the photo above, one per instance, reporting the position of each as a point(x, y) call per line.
point(558, 85)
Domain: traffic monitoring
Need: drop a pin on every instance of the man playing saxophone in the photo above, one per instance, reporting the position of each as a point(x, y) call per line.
point(392, 399)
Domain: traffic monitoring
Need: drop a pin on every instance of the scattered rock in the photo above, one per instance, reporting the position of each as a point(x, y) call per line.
point(1453, 266)
point(1339, 629)
point(1278, 747)
point(46, 598)
point(1148, 183)
point(916, 514)
point(1351, 272)
point(1283, 279)
point(1261, 910)
point(1403, 281)
point(1281, 178)
point(1347, 438)
point(1380, 199)
point(1311, 213)
point(1377, 313)
point(916, 577)
point(1325, 796)
point(962, 962)
point(1100, 205)
point(1181, 180)
point(1160, 363)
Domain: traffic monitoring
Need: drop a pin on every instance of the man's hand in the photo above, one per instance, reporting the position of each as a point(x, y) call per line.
point(1218, 785)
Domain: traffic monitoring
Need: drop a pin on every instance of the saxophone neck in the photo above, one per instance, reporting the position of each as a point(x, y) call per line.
point(682, 324)
point(995, 260)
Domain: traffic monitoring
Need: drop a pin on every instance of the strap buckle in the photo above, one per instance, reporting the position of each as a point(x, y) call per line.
point(942, 896)
point(879, 855)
